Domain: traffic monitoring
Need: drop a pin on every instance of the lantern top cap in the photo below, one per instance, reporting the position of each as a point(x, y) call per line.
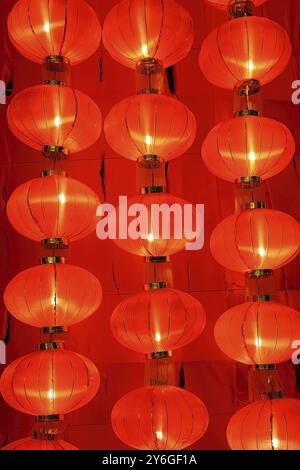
point(241, 8)
point(52, 345)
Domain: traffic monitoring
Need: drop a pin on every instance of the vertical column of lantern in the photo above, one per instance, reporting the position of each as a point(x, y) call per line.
point(247, 150)
point(55, 210)
point(152, 128)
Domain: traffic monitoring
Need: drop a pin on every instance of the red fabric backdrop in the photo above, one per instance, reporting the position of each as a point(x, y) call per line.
point(219, 383)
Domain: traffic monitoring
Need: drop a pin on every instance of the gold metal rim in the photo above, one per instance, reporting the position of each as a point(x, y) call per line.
point(52, 330)
point(54, 82)
point(250, 179)
point(54, 173)
point(248, 112)
point(150, 157)
point(149, 66)
point(51, 345)
point(153, 190)
point(55, 244)
point(265, 366)
point(53, 260)
point(255, 205)
point(53, 152)
point(159, 355)
point(157, 259)
point(56, 58)
point(49, 418)
point(261, 298)
point(156, 285)
point(53, 148)
point(259, 273)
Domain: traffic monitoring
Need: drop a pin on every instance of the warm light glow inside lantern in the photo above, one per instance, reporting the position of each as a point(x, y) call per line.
point(256, 239)
point(159, 418)
point(150, 124)
point(135, 30)
point(158, 320)
point(43, 28)
point(258, 332)
point(53, 207)
point(142, 240)
point(53, 295)
point(50, 382)
point(60, 117)
point(266, 425)
point(248, 146)
point(232, 52)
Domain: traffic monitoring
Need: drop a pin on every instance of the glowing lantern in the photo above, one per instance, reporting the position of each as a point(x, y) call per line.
point(258, 332)
point(156, 29)
point(266, 425)
point(53, 295)
point(59, 117)
point(159, 228)
point(150, 124)
point(256, 239)
point(158, 320)
point(53, 207)
point(43, 28)
point(159, 418)
point(50, 382)
point(39, 444)
point(248, 146)
point(243, 49)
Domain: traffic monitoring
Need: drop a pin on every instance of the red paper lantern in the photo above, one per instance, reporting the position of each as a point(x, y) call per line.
point(50, 382)
point(256, 239)
point(266, 425)
point(159, 418)
point(53, 207)
point(150, 124)
point(224, 4)
point(243, 49)
point(59, 117)
point(43, 28)
point(248, 146)
point(258, 332)
point(147, 243)
point(158, 320)
point(39, 444)
point(156, 29)
point(53, 295)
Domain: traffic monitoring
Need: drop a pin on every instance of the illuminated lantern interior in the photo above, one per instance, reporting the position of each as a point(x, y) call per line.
point(159, 418)
point(266, 425)
point(243, 38)
point(258, 332)
point(49, 382)
point(255, 239)
point(135, 30)
point(53, 295)
point(43, 28)
point(158, 320)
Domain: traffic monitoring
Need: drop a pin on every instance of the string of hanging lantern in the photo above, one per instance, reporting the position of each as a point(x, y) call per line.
point(55, 210)
point(152, 128)
point(243, 54)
